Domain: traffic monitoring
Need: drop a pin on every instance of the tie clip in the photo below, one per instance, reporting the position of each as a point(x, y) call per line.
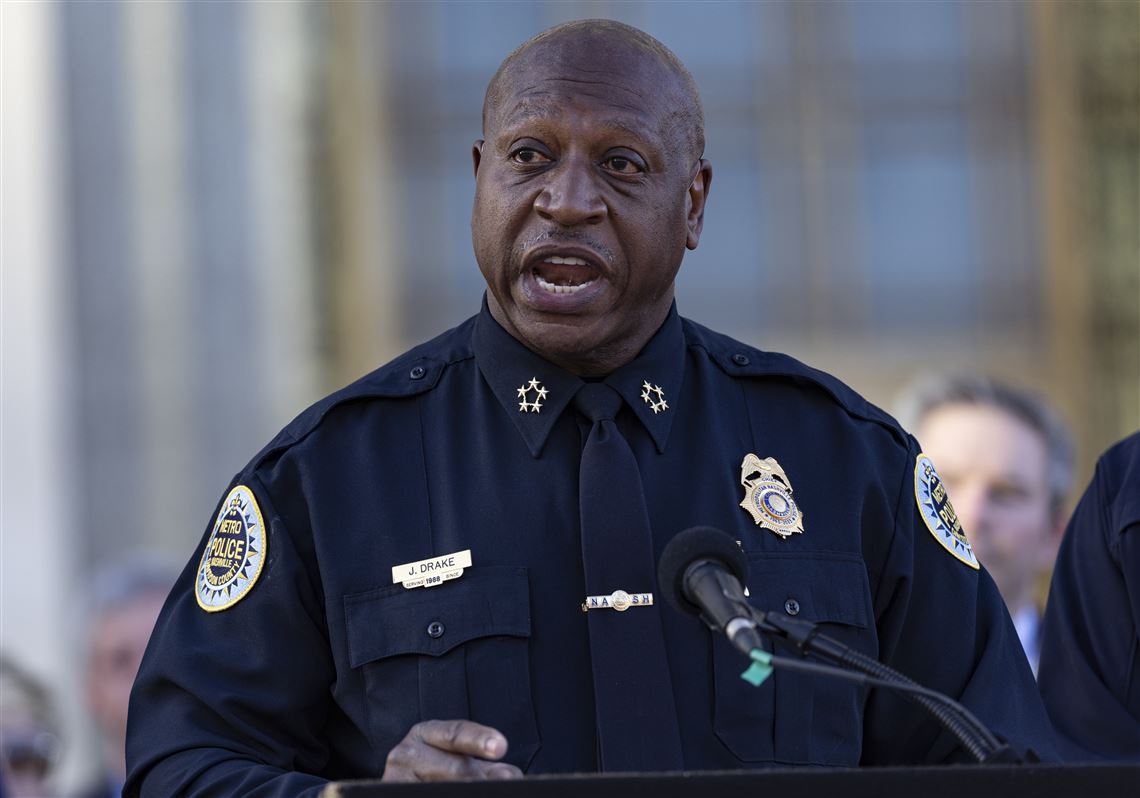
point(618, 600)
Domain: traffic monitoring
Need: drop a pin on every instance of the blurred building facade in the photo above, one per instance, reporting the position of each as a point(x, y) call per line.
point(215, 213)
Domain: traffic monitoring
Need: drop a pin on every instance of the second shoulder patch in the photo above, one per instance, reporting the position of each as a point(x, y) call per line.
point(937, 512)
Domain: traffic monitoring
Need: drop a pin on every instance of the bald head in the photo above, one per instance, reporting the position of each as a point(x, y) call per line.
point(600, 42)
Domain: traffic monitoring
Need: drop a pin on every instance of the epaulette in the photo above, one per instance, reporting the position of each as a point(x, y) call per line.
point(740, 360)
point(415, 372)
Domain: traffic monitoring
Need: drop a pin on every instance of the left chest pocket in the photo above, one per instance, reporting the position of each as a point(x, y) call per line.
point(455, 651)
point(798, 718)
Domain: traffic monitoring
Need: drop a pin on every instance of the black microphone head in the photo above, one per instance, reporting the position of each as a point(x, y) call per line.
point(695, 544)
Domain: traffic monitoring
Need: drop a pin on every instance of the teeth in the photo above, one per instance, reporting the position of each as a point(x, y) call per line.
point(565, 261)
point(546, 285)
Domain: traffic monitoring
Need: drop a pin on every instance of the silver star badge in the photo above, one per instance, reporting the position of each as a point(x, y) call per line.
point(527, 388)
point(648, 392)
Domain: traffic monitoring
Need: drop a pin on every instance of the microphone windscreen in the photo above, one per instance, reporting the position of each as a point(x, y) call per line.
point(696, 543)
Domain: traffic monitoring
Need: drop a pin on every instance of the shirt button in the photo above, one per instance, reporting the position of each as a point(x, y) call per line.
point(792, 607)
point(417, 373)
point(740, 359)
point(435, 630)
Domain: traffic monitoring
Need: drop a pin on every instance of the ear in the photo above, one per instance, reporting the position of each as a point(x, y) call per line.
point(476, 154)
point(695, 203)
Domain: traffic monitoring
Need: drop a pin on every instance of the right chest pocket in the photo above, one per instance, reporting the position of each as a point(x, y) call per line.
point(455, 651)
point(796, 718)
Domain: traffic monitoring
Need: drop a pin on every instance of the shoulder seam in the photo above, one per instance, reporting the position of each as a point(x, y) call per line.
point(798, 372)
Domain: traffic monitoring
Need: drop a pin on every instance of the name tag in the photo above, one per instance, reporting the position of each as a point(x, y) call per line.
point(433, 571)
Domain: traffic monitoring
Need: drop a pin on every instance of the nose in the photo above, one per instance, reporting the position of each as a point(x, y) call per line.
point(571, 195)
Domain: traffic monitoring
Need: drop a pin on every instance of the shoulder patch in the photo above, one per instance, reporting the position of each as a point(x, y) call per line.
point(234, 555)
point(937, 512)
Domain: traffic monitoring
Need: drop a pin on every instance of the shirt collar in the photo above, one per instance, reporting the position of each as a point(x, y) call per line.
point(519, 377)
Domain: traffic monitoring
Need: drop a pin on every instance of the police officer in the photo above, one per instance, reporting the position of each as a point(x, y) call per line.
point(445, 570)
point(1090, 670)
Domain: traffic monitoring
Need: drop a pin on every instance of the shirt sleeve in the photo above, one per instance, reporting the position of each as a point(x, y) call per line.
point(942, 622)
point(232, 701)
point(1090, 654)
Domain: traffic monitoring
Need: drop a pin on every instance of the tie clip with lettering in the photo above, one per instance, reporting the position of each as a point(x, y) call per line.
point(433, 571)
point(618, 600)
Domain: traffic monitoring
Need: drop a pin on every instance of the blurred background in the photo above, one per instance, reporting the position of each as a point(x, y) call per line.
point(214, 213)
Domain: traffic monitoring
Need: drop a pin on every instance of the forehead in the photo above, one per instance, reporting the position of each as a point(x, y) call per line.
point(627, 86)
point(983, 439)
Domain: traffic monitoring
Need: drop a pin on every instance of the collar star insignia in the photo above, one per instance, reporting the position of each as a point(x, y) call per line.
point(525, 390)
point(648, 391)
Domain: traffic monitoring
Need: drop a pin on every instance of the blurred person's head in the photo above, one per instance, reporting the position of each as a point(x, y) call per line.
point(1007, 462)
point(125, 604)
point(29, 732)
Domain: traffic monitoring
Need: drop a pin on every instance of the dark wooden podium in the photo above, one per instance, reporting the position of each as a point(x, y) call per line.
point(966, 781)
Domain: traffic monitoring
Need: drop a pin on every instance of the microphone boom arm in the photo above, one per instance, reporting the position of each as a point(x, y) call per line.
point(805, 636)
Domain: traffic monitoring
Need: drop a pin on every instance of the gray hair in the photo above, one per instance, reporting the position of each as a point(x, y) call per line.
point(122, 583)
point(23, 693)
point(19, 688)
point(930, 393)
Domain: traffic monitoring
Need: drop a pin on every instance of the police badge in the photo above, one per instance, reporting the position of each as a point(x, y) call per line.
point(768, 496)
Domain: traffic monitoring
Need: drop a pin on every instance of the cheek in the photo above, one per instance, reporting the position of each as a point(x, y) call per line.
point(1016, 534)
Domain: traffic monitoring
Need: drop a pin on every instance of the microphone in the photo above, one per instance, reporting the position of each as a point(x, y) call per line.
point(700, 572)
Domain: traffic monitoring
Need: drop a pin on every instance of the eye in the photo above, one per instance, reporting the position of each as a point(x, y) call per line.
point(1009, 494)
point(622, 165)
point(528, 156)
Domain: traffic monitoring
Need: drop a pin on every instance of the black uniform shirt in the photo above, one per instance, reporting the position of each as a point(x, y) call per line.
point(324, 664)
point(1090, 647)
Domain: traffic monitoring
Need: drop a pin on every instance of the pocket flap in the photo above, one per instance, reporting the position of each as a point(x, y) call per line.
point(393, 620)
point(826, 588)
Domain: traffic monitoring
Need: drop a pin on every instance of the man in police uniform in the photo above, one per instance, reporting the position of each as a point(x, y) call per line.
point(1090, 673)
point(395, 586)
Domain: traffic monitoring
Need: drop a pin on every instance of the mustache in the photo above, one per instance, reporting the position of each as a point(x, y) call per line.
point(564, 237)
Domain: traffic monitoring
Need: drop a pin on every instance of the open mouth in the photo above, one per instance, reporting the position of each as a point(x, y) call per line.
point(556, 274)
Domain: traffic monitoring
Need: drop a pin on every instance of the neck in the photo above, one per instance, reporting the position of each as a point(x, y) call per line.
point(591, 361)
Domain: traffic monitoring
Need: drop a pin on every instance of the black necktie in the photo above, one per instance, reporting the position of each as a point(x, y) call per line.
point(633, 692)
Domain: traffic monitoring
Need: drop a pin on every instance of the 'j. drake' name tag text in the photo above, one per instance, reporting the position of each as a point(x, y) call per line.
point(433, 571)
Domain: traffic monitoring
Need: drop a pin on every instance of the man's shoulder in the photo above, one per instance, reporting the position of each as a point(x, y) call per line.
point(1120, 463)
point(745, 362)
point(415, 372)
point(1115, 487)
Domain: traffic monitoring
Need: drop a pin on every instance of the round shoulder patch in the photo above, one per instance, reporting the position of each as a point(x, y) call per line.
point(234, 553)
point(936, 510)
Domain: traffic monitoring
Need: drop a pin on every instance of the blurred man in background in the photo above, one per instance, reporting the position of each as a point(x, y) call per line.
point(1007, 461)
point(126, 601)
point(29, 734)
